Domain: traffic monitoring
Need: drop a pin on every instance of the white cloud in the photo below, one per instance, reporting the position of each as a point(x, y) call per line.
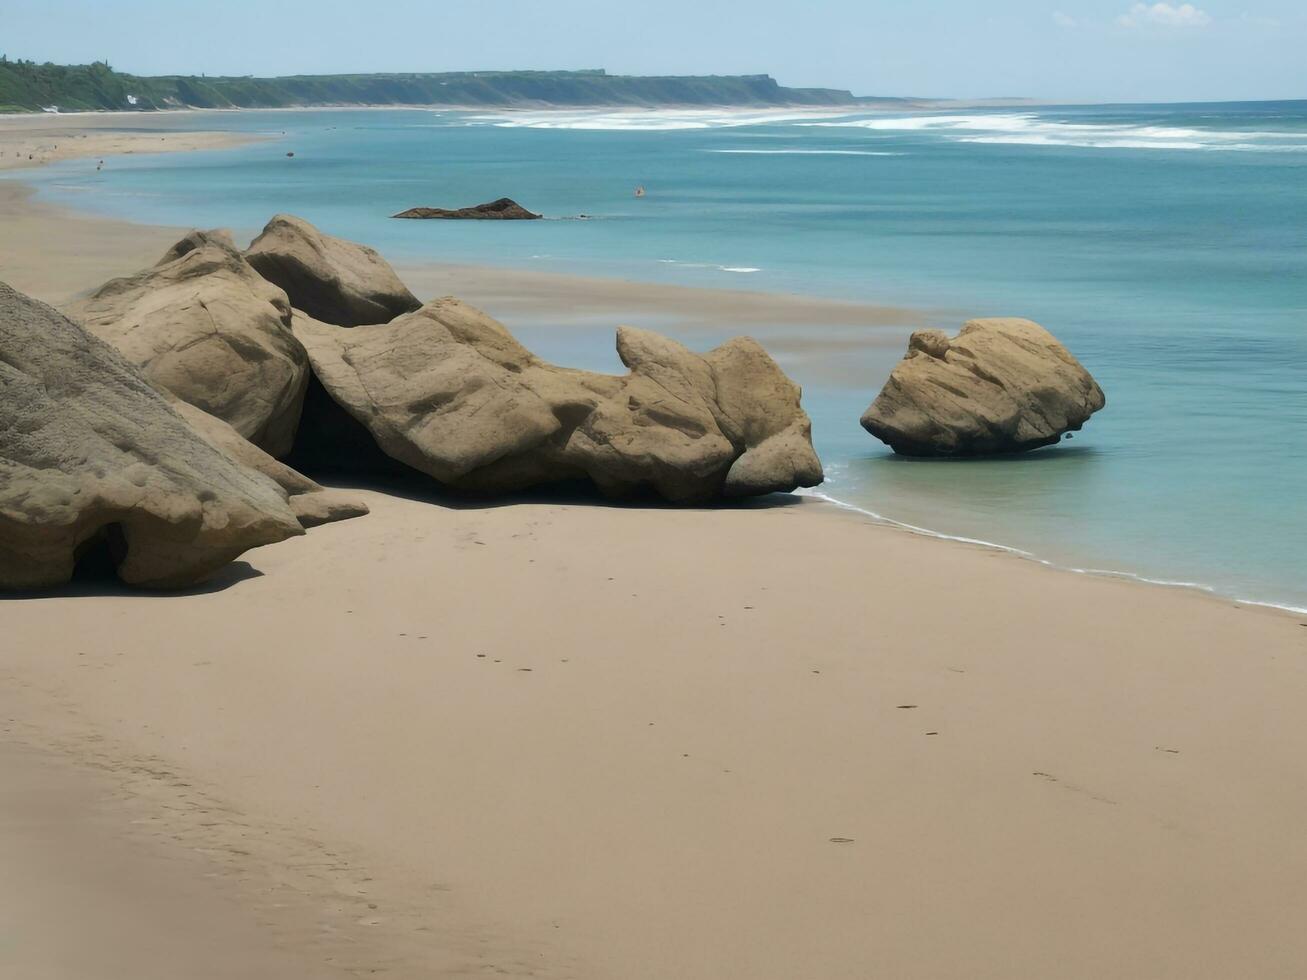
point(1064, 20)
point(1164, 15)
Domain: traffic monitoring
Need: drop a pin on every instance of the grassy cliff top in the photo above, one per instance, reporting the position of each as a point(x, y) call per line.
point(28, 87)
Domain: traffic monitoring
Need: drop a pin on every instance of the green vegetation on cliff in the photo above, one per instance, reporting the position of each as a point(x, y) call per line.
point(26, 86)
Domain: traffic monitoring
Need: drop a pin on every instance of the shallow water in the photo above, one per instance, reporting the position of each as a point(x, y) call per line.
point(1165, 245)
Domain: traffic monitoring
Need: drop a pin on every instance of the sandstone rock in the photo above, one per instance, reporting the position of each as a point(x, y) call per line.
point(330, 279)
point(91, 452)
point(324, 506)
point(203, 325)
point(758, 407)
point(504, 209)
point(446, 390)
point(1002, 385)
point(311, 503)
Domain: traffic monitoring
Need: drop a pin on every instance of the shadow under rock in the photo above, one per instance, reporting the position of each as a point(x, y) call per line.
point(94, 577)
point(418, 487)
point(1044, 454)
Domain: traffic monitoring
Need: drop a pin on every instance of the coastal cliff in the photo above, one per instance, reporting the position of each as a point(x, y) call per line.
point(29, 87)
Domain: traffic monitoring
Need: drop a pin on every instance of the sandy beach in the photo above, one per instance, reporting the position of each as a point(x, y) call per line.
point(556, 738)
point(37, 140)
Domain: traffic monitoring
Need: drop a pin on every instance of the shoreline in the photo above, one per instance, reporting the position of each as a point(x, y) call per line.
point(42, 140)
point(1119, 575)
point(516, 295)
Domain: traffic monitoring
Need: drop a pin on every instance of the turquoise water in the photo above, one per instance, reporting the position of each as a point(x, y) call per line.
point(1165, 245)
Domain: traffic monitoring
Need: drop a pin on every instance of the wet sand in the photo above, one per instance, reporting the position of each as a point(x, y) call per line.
point(34, 140)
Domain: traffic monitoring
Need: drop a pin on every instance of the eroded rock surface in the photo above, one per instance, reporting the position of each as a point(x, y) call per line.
point(203, 325)
point(1002, 385)
point(91, 453)
point(330, 279)
point(447, 390)
point(312, 503)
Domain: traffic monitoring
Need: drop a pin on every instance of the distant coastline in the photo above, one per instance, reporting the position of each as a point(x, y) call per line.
point(26, 86)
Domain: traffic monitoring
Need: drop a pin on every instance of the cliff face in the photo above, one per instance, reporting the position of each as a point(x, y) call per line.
point(27, 87)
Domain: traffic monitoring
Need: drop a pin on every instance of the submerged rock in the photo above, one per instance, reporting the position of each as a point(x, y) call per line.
point(447, 390)
point(203, 325)
point(504, 209)
point(92, 454)
point(1002, 385)
point(330, 279)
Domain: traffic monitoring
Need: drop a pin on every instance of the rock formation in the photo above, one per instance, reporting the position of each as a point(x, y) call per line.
point(91, 453)
point(330, 279)
point(311, 503)
point(448, 391)
point(203, 325)
point(1000, 386)
point(504, 209)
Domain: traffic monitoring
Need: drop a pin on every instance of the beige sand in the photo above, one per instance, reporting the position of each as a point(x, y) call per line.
point(519, 294)
point(559, 740)
point(585, 741)
point(39, 139)
point(53, 255)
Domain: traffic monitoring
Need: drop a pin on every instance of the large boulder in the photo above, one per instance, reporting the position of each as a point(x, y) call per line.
point(1002, 385)
point(91, 452)
point(330, 279)
point(447, 390)
point(203, 325)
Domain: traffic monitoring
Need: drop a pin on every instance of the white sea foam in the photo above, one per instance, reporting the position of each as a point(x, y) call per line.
point(640, 120)
point(813, 153)
point(1032, 129)
point(710, 265)
point(1022, 128)
point(1030, 556)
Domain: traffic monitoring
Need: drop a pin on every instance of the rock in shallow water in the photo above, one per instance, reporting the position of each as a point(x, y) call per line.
point(504, 209)
point(448, 391)
point(1002, 385)
point(330, 279)
point(89, 450)
point(205, 326)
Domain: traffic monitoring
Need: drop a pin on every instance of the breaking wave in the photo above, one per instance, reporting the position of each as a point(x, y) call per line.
point(710, 265)
point(814, 153)
point(1031, 129)
point(640, 120)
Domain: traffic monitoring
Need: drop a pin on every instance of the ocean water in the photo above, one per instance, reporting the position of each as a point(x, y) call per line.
point(1165, 245)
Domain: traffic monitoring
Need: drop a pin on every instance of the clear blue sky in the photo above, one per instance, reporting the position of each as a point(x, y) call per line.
point(1056, 49)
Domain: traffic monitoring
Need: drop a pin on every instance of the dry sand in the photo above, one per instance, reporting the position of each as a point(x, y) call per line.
point(37, 140)
point(564, 740)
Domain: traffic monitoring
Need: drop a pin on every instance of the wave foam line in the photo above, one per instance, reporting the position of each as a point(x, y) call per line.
point(813, 153)
point(709, 265)
point(1031, 556)
point(640, 120)
point(1031, 129)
